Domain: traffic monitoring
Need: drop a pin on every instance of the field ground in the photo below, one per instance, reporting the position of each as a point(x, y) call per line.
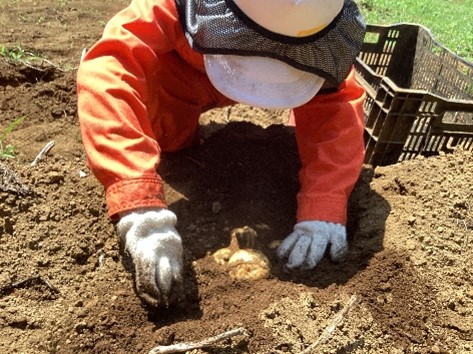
point(63, 288)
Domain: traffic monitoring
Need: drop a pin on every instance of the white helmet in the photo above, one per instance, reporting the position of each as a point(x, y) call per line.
point(273, 53)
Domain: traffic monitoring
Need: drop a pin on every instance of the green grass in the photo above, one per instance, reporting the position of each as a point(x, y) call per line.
point(7, 151)
point(450, 21)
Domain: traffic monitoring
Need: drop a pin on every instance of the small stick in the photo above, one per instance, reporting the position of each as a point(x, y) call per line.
point(19, 284)
point(40, 68)
point(50, 286)
point(186, 346)
point(43, 152)
point(327, 333)
point(26, 282)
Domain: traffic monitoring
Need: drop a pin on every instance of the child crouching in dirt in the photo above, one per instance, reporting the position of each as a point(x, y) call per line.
point(161, 63)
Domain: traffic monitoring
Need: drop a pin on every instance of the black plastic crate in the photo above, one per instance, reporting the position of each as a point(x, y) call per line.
point(419, 95)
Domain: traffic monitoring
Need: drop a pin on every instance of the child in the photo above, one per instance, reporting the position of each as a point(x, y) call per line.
point(161, 63)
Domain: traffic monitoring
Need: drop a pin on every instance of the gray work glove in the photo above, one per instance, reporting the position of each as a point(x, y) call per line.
point(306, 245)
point(155, 248)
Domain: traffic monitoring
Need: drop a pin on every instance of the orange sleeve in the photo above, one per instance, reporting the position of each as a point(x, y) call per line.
point(329, 132)
point(113, 84)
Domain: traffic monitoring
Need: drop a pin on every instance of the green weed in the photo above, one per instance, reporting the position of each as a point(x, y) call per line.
point(7, 151)
point(17, 55)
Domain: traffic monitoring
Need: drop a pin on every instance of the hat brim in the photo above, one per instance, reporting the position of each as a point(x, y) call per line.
point(261, 82)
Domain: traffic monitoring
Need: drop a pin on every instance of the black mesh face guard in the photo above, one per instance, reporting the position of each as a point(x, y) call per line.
point(220, 27)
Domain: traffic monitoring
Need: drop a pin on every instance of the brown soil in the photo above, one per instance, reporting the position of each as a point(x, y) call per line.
point(64, 289)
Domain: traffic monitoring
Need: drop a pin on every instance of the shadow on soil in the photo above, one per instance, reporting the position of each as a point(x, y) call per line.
point(244, 174)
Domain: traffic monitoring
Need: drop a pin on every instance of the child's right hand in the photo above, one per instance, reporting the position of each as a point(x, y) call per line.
point(155, 247)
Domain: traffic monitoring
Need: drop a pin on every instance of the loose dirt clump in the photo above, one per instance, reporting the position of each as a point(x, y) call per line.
point(64, 287)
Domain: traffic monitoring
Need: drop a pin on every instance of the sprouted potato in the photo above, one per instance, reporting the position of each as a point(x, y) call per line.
point(243, 262)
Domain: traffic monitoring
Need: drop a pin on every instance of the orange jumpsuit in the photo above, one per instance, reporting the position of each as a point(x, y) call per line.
point(141, 90)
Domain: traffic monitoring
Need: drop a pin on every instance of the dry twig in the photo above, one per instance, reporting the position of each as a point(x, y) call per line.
point(43, 152)
point(186, 346)
point(327, 333)
point(28, 282)
point(10, 181)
